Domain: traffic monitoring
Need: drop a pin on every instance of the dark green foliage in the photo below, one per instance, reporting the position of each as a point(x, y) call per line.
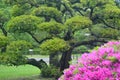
point(100, 31)
point(18, 10)
point(81, 49)
point(50, 71)
point(51, 27)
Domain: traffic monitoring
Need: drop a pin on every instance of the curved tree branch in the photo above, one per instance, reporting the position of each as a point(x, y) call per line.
point(32, 35)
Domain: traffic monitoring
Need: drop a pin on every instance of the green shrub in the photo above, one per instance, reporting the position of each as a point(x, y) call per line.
point(12, 59)
point(50, 71)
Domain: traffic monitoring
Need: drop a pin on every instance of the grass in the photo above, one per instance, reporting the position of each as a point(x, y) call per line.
point(13, 72)
point(25, 72)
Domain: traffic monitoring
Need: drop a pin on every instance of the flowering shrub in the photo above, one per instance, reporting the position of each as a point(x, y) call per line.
point(101, 64)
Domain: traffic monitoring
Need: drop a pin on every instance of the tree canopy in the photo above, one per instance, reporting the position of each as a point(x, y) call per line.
point(23, 23)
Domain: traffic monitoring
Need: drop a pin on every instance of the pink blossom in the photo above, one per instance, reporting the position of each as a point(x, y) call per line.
point(102, 64)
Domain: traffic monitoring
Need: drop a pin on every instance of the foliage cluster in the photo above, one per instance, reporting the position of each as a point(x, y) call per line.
point(29, 23)
point(55, 45)
point(78, 22)
point(51, 27)
point(48, 13)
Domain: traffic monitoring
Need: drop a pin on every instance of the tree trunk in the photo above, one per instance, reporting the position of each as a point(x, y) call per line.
point(66, 57)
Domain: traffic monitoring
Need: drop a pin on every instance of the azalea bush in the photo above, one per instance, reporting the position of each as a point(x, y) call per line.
point(100, 64)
